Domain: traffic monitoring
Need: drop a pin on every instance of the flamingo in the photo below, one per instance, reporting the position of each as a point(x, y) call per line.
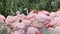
point(33, 30)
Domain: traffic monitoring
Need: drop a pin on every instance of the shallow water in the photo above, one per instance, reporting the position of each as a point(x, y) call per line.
point(52, 32)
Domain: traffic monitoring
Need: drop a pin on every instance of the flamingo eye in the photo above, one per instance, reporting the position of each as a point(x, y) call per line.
point(11, 27)
point(20, 20)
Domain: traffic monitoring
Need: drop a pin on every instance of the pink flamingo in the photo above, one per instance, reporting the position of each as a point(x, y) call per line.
point(33, 30)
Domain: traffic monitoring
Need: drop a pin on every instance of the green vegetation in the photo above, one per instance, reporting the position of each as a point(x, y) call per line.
point(9, 7)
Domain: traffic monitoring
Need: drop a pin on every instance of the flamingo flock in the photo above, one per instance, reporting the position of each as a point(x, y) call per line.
point(36, 22)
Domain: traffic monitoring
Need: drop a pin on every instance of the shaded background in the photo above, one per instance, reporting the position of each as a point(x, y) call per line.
point(9, 7)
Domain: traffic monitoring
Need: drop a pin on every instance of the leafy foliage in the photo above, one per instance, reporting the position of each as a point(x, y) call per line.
point(9, 7)
point(2, 30)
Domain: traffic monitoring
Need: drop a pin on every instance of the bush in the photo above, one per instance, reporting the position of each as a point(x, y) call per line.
point(9, 7)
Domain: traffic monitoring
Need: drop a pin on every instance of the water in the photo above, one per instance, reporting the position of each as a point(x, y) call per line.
point(52, 32)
